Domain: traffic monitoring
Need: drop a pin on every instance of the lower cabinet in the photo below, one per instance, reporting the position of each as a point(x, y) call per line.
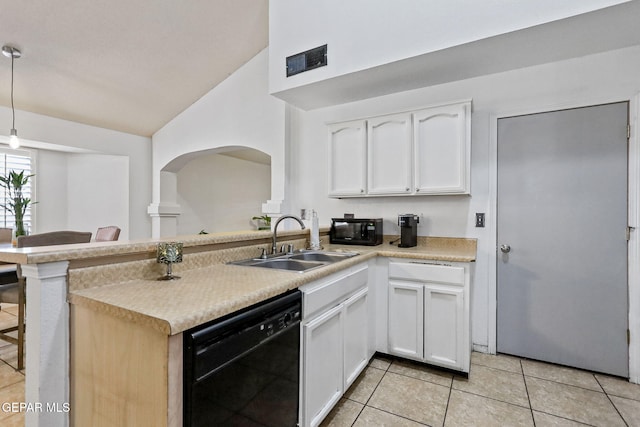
point(356, 336)
point(444, 326)
point(428, 311)
point(335, 343)
point(426, 315)
point(323, 347)
point(406, 319)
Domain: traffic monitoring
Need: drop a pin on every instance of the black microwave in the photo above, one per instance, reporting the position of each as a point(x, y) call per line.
point(356, 231)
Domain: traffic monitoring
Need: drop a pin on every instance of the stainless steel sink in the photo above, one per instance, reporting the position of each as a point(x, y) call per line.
point(299, 261)
point(288, 264)
point(321, 256)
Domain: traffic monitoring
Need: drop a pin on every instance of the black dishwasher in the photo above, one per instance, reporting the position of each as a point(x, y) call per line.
point(243, 369)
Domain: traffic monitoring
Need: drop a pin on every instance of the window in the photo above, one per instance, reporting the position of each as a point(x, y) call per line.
point(16, 160)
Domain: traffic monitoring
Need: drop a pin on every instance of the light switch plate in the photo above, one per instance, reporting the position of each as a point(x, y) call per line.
point(480, 219)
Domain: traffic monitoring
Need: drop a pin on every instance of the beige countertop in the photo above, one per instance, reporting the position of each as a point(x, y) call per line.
point(93, 250)
point(207, 293)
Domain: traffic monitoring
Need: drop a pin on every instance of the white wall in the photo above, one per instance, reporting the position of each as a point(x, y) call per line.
point(238, 112)
point(362, 34)
point(69, 200)
point(594, 79)
point(51, 191)
point(61, 137)
point(104, 199)
point(221, 193)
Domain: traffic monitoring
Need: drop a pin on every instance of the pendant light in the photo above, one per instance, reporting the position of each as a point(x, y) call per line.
point(13, 53)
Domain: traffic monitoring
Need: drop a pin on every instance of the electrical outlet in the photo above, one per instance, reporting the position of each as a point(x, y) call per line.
point(479, 219)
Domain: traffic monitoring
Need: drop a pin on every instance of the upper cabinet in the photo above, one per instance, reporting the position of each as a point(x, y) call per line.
point(441, 141)
point(389, 155)
point(414, 153)
point(347, 159)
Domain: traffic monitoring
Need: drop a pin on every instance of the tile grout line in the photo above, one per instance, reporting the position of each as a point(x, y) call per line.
point(526, 389)
point(374, 390)
point(430, 382)
point(359, 413)
point(399, 416)
point(565, 418)
point(613, 404)
point(386, 371)
point(524, 377)
point(492, 398)
point(446, 410)
point(423, 380)
point(567, 384)
point(496, 368)
point(495, 399)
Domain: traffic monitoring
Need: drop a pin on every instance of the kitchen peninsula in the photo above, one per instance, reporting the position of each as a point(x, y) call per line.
point(124, 327)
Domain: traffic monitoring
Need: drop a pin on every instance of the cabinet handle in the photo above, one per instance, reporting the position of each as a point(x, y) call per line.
point(407, 189)
point(417, 190)
point(362, 190)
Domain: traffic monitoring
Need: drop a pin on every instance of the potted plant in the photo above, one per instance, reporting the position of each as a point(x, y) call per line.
point(15, 202)
point(263, 222)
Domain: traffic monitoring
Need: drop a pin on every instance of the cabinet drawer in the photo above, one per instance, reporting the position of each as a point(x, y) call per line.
point(323, 295)
point(426, 272)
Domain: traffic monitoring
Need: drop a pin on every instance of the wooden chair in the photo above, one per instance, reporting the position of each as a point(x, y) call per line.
point(107, 234)
point(14, 293)
point(9, 290)
point(54, 238)
point(5, 235)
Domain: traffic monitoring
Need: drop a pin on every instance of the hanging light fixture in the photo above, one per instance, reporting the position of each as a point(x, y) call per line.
point(13, 53)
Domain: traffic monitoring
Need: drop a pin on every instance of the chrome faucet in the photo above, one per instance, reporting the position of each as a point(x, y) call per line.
point(275, 230)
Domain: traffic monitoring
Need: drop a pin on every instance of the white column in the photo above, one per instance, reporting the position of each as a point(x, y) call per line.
point(47, 344)
point(164, 219)
point(164, 210)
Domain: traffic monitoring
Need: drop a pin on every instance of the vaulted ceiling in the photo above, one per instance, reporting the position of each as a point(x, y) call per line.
point(127, 65)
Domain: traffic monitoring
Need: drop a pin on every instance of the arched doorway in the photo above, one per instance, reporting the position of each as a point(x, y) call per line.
point(221, 189)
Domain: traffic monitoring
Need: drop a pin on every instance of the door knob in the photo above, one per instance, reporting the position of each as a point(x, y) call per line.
point(505, 248)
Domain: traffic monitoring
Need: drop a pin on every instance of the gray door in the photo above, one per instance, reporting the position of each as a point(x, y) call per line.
point(562, 247)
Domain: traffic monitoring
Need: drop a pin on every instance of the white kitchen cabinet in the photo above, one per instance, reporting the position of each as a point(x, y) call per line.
point(322, 372)
point(356, 336)
point(389, 169)
point(335, 340)
point(413, 153)
point(444, 325)
point(442, 158)
point(429, 313)
point(406, 313)
point(348, 158)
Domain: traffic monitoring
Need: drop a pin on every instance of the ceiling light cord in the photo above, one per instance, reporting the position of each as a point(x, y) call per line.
point(13, 110)
point(13, 53)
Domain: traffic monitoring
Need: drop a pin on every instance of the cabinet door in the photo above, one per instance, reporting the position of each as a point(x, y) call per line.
point(442, 141)
point(444, 325)
point(406, 319)
point(347, 158)
point(323, 365)
point(389, 154)
point(356, 336)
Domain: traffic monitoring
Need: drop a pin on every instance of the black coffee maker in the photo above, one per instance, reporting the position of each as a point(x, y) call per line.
point(408, 230)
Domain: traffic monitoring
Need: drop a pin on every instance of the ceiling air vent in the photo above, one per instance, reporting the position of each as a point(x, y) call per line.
point(305, 61)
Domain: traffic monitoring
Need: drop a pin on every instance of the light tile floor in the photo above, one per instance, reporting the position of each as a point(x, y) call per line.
point(500, 391)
